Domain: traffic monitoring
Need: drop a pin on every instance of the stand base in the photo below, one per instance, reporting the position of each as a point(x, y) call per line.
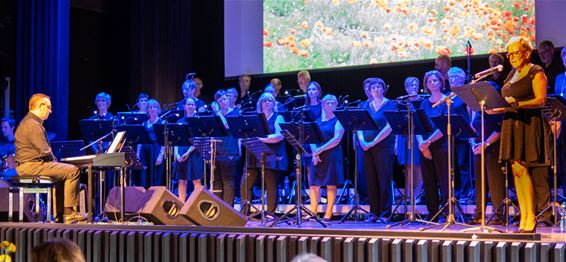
point(554, 206)
point(450, 221)
point(355, 211)
point(297, 209)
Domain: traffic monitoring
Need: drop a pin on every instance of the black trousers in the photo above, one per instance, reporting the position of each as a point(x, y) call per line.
point(494, 179)
point(378, 167)
point(271, 178)
point(462, 175)
point(435, 176)
point(225, 176)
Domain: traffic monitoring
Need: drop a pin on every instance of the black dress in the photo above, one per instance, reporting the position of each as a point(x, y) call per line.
point(525, 136)
point(151, 175)
point(330, 171)
point(193, 167)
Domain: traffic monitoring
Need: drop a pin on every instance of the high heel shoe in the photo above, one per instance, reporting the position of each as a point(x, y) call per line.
point(530, 231)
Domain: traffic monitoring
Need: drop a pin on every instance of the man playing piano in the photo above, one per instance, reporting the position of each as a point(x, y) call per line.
point(34, 155)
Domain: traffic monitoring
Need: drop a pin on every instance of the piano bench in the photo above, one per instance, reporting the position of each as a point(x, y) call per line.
point(30, 185)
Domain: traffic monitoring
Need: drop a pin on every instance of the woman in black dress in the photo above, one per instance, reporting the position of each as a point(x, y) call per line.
point(378, 150)
point(274, 163)
point(524, 133)
point(434, 148)
point(190, 164)
point(151, 155)
point(327, 158)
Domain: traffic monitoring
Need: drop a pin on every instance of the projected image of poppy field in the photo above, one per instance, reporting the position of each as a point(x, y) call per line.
point(310, 34)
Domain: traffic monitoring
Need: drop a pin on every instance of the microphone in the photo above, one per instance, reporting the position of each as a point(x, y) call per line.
point(490, 71)
point(129, 108)
point(300, 96)
point(452, 95)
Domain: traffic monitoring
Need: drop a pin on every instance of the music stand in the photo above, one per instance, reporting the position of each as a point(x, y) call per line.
point(309, 133)
point(481, 96)
point(260, 150)
point(135, 134)
point(204, 129)
point(555, 111)
point(244, 127)
point(404, 123)
point(305, 115)
point(354, 120)
point(62, 149)
point(173, 135)
point(96, 131)
point(132, 118)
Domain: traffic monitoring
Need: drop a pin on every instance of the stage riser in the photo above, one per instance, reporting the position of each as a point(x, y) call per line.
point(124, 245)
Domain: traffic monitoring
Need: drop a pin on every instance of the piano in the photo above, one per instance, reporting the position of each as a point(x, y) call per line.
point(98, 161)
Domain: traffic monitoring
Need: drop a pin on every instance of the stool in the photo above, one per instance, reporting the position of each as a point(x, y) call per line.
point(34, 185)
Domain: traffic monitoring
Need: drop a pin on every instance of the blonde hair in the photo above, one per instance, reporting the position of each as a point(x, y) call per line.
point(304, 73)
point(524, 42)
point(36, 100)
point(263, 97)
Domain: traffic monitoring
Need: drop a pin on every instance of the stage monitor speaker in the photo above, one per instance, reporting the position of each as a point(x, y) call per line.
point(134, 202)
point(29, 205)
point(163, 207)
point(205, 209)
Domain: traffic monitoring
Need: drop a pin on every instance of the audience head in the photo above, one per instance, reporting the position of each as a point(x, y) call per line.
point(456, 76)
point(432, 81)
point(308, 257)
point(303, 79)
point(61, 250)
point(266, 101)
point(563, 56)
point(40, 105)
point(496, 59)
point(412, 85)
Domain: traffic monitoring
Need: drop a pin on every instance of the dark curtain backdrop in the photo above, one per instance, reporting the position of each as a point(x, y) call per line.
point(160, 48)
point(42, 59)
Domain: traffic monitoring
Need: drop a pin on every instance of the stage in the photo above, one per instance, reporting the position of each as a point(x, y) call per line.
point(350, 241)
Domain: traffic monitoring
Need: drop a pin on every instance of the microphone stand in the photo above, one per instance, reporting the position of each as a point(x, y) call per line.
point(468, 61)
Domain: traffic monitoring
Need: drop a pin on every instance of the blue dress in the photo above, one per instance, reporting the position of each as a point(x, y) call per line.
point(330, 171)
point(151, 175)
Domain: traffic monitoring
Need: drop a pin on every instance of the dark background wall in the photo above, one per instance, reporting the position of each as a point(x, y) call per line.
point(128, 47)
